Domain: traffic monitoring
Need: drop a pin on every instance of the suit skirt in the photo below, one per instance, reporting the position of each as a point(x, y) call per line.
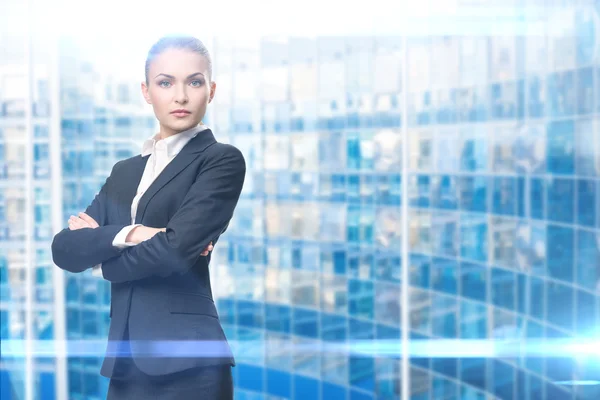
point(213, 382)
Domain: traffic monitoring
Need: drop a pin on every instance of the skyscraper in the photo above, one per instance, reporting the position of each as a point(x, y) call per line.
point(430, 188)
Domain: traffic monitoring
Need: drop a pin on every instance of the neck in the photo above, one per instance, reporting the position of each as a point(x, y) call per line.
point(166, 132)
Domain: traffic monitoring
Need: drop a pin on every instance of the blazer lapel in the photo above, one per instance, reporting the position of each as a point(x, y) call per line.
point(130, 178)
point(185, 157)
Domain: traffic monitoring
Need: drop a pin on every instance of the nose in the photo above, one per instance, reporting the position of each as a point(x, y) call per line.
point(181, 95)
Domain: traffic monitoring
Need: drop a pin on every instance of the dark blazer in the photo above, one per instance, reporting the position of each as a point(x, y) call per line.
point(161, 287)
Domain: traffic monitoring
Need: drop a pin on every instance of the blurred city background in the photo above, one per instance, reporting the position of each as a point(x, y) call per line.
point(432, 187)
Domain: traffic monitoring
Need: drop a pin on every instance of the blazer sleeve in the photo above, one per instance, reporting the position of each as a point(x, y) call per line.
point(78, 250)
point(203, 215)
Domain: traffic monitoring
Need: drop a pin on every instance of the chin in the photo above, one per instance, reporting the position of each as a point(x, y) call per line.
point(180, 126)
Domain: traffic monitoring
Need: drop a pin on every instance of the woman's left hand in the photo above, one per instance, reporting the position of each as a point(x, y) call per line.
point(82, 221)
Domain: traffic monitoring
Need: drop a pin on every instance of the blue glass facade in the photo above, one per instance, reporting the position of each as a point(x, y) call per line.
point(503, 220)
point(502, 140)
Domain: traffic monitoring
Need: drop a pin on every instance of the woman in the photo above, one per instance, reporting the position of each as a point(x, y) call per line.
point(150, 230)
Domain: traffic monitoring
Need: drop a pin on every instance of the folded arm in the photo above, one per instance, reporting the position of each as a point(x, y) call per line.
point(202, 217)
point(78, 250)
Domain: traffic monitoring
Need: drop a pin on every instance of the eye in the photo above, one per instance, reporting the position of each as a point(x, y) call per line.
point(196, 83)
point(164, 84)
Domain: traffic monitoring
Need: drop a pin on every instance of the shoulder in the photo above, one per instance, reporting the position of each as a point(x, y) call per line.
point(119, 165)
point(224, 152)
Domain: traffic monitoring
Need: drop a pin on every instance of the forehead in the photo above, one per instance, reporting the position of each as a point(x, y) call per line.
point(178, 62)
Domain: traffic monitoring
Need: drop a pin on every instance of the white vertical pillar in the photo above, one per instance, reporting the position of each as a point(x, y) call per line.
point(29, 206)
point(404, 299)
point(56, 212)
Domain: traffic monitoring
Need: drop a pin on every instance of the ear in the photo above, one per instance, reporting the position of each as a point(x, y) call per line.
point(213, 89)
point(145, 93)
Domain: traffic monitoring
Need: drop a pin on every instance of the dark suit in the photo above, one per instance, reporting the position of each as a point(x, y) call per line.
point(161, 294)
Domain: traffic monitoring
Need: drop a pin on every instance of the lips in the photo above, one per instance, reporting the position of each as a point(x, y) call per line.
point(180, 113)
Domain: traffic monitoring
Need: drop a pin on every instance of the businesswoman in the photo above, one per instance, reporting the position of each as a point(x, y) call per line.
point(150, 231)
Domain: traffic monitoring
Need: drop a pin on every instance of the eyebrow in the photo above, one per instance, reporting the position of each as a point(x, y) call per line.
point(172, 77)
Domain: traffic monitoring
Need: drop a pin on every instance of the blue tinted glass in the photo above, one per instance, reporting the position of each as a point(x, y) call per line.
point(537, 198)
point(226, 309)
point(473, 235)
point(296, 258)
point(89, 321)
point(445, 235)
point(339, 262)
point(521, 384)
point(473, 321)
point(278, 318)
point(91, 383)
point(468, 393)
point(445, 194)
point(521, 293)
point(75, 384)
point(585, 93)
point(384, 332)
point(250, 377)
point(559, 299)
point(521, 210)
point(387, 370)
point(305, 323)
point(443, 388)
point(505, 193)
point(423, 192)
point(480, 109)
point(536, 387)
point(585, 32)
point(597, 89)
point(333, 327)
point(472, 193)
point(560, 143)
point(367, 189)
point(537, 97)
point(537, 290)
point(474, 372)
point(556, 392)
point(424, 116)
point(361, 330)
point(444, 275)
point(560, 200)
point(331, 391)
point(279, 383)
point(503, 288)
point(473, 281)
point(504, 377)
point(419, 271)
point(353, 188)
point(561, 88)
point(250, 314)
point(586, 202)
point(85, 128)
point(444, 320)
point(585, 307)
point(445, 366)
point(362, 371)
point(358, 395)
point(385, 268)
point(353, 220)
point(396, 190)
point(474, 154)
point(588, 256)
point(46, 387)
point(353, 152)
point(560, 252)
point(360, 294)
